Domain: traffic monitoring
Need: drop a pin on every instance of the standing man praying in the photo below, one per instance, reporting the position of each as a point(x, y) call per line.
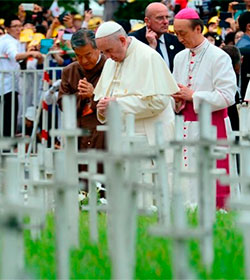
point(203, 72)
point(80, 78)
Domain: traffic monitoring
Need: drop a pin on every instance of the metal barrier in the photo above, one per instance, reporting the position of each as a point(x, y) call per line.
point(46, 79)
point(28, 95)
point(31, 86)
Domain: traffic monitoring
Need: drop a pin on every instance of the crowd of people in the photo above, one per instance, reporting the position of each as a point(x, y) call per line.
point(166, 66)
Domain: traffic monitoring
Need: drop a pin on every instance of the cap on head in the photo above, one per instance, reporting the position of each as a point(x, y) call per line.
point(187, 13)
point(107, 28)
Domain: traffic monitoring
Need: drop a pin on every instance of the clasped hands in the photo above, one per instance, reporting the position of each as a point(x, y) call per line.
point(184, 94)
point(85, 89)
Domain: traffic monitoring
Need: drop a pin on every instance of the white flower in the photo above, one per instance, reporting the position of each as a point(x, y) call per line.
point(100, 187)
point(152, 208)
point(81, 197)
point(191, 206)
point(103, 201)
point(222, 211)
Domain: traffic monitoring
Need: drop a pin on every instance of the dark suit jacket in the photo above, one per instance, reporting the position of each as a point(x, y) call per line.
point(170, 40)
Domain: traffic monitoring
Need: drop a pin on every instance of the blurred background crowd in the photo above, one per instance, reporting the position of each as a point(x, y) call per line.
point(45, 28)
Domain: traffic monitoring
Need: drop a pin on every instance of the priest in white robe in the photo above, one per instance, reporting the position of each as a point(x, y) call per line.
point(137, 78)
point(203, 72)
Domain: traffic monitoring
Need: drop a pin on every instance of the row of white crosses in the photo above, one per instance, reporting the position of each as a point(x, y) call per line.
point(49, 186)
point(179, 230)
point(122, 177)
point(122, 174)
point(241, 200)
point(121, 171)
point(122, 181)
point(207, 174)
point(12, 213)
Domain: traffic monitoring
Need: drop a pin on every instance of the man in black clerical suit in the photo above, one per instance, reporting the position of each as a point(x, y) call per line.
point(155, 33)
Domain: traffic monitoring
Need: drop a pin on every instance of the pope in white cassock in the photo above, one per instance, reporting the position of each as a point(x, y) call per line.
point(203, 72)
point(137, 78)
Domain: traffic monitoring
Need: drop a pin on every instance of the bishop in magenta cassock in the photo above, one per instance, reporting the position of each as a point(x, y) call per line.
point(203, 72)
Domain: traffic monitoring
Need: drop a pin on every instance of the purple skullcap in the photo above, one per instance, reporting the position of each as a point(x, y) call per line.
point(187, 13)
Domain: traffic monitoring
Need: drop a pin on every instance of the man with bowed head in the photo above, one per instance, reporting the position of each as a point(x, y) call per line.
point(155, 33)
point(79, 78)
point(203, 72)
point(137, 78)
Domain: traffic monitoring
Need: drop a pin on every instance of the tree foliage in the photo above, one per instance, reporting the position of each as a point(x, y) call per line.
point(134, 10)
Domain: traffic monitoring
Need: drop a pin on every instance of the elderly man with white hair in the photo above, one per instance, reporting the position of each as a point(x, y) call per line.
point(137, 78)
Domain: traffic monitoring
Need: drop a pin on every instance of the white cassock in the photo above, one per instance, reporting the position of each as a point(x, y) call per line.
point(208, 71)
point(142, 85)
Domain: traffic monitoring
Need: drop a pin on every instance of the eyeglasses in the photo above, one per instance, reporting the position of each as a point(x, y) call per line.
point(16, 26)
point(161, 18)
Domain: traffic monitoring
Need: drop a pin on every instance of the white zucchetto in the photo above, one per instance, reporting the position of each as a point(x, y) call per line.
point(107, 28)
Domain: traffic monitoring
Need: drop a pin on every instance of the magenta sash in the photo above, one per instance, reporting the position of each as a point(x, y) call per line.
point(222, 191)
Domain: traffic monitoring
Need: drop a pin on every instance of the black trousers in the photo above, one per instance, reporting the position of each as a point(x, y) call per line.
point(7, 103)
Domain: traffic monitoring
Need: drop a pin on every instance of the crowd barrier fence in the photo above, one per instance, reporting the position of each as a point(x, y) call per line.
point(32, 86)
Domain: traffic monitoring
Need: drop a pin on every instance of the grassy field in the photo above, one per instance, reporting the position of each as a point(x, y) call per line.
point(153, 254)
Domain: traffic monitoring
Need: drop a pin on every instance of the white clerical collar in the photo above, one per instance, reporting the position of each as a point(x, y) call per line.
point(200, 47)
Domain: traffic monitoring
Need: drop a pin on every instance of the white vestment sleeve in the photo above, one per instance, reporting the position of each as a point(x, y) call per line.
point(224, 83)
point(141, 106)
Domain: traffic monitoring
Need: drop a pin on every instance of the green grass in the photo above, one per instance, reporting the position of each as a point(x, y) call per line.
point(153, 255)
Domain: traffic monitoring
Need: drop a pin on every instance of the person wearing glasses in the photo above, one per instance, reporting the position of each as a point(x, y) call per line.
point(155, 33)
point(11, 52)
